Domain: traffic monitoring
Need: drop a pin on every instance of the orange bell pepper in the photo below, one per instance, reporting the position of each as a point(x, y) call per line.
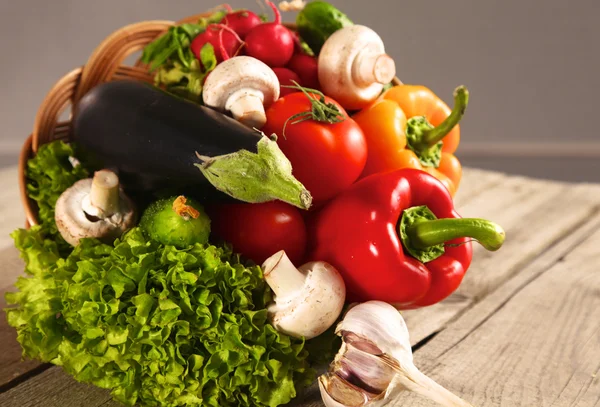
point(410, 127)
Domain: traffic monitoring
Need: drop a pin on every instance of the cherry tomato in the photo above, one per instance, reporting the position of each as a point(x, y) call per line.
point(326, 157)
point(258, 231)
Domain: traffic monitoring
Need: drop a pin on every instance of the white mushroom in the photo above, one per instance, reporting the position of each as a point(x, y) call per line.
point(353, 66)
point(243, 86)
point(94, 208)
point(308, 300)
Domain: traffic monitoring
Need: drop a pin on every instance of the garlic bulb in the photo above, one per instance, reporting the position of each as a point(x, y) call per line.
point(375, 362)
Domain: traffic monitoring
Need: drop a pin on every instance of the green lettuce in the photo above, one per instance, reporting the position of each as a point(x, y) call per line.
point(156, 325)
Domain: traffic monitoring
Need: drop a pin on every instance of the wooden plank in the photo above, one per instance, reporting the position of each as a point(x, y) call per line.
point(535, 214)
point(475, 181)
point(535, 341)
point(534, 218)
point(422, 323)
point(11, 364)
point(53, 388)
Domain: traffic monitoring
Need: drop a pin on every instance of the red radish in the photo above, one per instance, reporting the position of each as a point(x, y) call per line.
point(286, 77)
point(242, 22)
point(297, 44)
point(271, 43)
point(306, 68)
point(224, 40)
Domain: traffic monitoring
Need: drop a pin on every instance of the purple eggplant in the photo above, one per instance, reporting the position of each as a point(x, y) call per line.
point(156, 141)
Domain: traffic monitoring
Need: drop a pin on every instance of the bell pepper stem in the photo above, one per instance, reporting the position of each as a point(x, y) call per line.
point(436, 134)
point(429, 233)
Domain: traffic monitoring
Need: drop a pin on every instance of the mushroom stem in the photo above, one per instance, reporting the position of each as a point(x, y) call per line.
point(246, 106)
point(281, 275)
point(369, 68)
point(103, 200)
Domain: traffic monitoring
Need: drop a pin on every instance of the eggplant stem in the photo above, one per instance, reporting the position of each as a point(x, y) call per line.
point(256, 177)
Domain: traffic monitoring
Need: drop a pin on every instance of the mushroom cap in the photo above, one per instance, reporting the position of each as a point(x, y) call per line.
point(238, 73)
point(313, 308)
point(336, 66)
point(74, 224)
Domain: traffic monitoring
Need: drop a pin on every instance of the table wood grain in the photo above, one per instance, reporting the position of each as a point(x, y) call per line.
point(522, 330)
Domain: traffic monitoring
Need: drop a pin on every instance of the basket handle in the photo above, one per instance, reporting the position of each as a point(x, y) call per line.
point(107, 58)
point(46, 126)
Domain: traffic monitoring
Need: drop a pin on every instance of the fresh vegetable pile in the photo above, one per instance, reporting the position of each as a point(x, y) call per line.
point(155, 324)
point(199, 239)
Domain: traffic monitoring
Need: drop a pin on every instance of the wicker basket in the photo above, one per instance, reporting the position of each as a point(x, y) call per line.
point(104, 65)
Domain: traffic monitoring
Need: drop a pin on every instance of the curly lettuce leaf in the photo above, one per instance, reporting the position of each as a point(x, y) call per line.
point(49, 174)
point(156, 325)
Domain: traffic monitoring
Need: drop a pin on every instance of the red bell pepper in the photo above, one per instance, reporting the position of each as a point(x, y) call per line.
point(396, 237)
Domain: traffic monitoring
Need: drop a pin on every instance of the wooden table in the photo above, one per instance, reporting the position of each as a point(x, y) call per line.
point(522, 330)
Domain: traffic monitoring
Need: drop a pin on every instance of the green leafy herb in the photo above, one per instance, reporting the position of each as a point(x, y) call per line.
point(175, 65)
point(208, 57)
point(156, 325)
point(174, 45)
point(181, 81)
point(214, 18)
point(49, 174)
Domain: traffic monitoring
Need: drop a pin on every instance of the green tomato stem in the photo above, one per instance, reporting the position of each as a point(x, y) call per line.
point(433, 136)
point(428, 233)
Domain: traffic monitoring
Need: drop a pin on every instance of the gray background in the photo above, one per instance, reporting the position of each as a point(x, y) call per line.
point(532, 67)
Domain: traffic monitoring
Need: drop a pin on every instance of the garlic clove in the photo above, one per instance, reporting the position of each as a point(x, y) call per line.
point(365, 370)
point(375, 362)
point(337, 392)
point(381, 325)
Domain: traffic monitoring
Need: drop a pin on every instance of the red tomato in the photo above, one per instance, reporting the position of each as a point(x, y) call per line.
point(326, 158)
point(258, 231)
